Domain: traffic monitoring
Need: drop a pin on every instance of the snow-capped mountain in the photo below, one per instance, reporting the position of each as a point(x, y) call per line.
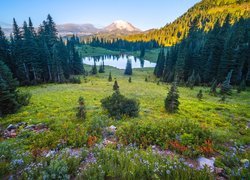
point(117, 28)
point(121, 25)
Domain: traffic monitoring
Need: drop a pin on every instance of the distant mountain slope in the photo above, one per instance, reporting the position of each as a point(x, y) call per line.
point(77, 28)
point(114, 30)
point(206, 13)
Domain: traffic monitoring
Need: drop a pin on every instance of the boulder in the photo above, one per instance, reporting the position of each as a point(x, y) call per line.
point(10, 127)
point(41, 126)
point(219, 171)
point(21, 124)
point(203, 162)
point(30, 127)
point(112, 128)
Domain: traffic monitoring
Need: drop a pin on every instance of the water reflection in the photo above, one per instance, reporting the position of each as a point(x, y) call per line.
point(118, 61)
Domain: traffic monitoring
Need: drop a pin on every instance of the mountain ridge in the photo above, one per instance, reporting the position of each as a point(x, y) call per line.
point(119, 27)
point(204, 13)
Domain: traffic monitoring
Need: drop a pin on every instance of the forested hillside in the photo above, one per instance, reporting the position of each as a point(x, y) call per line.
point(207, 14)
point(41, 56)
point(210, 56)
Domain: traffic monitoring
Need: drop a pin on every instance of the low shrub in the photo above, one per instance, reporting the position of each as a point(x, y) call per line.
point(23, 98)
point(57, 169)
point(164, 133)
point(96, 125)
point(118, 105)
point(81, 109)
point(130, 163)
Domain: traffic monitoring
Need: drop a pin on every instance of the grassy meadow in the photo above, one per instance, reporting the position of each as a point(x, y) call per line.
point(222, 123)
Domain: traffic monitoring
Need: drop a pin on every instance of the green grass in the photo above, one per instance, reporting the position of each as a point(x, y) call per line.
point(55, 105)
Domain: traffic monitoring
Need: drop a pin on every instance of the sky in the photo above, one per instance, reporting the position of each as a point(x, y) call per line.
point(144, 14)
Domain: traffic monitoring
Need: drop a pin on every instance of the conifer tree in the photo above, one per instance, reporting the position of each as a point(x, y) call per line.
point(197, 79)
point(172, 99)
point(115, 86)
point(4, 48)
point(110, 77)
point(191, 80)
point(81, 109)
point(225, 86)
point(101, 68)
point(8, 94)
point(31, 54)
point(159, 68)
point(128, 70)
point(94, 69)
point(213, 87)
point(142, 54)
point(129, 80)
point(200, 95)
point(180, 62)
point(242, 86)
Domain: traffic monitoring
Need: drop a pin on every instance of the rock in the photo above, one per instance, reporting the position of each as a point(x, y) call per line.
point(21, 124)
point(10, 127)
point(30, 127)
point(206, 162)
point(13, 134)
point(112, 128)
point(50, 153)
point(107, 142)
point(41, 126)
point(219, 171)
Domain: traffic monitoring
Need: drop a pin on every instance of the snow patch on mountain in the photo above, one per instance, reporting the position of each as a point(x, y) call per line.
point(121, 25)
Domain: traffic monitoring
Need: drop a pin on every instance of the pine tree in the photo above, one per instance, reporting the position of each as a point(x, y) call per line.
point(213, 87)
point(4, 48)
point(191, 80)
point(115, 86)
point(142, 54)
point(197, 79)
point(81, 109)
point(225, 86)
point(200, 95)
point(180, 63)
point(21, 71)
point(242, 86)
point(159, 68)
point(172, 99)
point(101, 68)
point(110, 77)
point(129, 80)
point(31, 54)
point(94, 69)
point(57, 65)
point(8, 94)
point(128, 70)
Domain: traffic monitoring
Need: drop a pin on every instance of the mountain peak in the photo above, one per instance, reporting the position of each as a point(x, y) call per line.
point(121, 25)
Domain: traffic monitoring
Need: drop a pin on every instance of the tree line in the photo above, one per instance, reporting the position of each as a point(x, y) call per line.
point(31, 57)
point(120, 44)
point(204, 57)
point(39, 56)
